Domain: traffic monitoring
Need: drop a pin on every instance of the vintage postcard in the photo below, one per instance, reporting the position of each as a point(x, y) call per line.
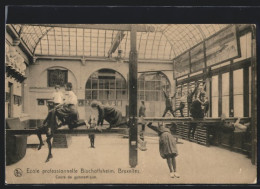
point(130, 103)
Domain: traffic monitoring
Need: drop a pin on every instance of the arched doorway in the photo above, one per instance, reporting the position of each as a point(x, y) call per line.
point(108, 87)
point(150, 87)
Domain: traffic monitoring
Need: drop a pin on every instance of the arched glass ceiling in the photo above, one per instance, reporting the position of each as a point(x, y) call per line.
point(165, 42)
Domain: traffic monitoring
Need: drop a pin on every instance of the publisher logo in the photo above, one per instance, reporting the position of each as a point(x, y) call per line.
point(18, 172)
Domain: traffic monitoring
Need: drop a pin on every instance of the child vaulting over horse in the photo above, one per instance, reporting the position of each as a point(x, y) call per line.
point(66, 112)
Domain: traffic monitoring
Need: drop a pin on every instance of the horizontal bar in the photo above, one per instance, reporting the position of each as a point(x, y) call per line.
point(68, 131)
point(154, 71)
point(189, 119)
point(167, 119)
point(119, 27)
point(99, 58)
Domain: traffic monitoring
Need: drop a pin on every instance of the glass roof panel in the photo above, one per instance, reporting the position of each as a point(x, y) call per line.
point(166, 42)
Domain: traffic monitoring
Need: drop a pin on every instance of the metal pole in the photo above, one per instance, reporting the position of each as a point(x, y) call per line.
point(254, 97)
point(133, 99)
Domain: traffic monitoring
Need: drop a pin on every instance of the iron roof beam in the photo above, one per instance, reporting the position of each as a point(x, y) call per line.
point(118, 27)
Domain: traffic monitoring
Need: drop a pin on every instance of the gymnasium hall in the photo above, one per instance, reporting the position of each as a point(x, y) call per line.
point(136, 91)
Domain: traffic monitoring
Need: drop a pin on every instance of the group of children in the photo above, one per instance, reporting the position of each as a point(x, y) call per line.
point(198, 106)
point(197, 102)
point(189, 98)
point(66, 113)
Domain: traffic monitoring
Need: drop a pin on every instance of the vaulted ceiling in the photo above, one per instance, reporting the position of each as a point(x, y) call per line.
point(154, 41)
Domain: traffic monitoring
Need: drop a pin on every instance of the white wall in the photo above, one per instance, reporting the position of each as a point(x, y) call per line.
point(78, 74)
point(17, 90)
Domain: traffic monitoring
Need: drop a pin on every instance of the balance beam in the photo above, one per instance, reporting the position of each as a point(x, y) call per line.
point(68, 131)
point(190, 119)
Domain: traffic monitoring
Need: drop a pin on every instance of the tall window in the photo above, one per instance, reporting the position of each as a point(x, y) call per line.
point(150, 86)
point(238, 93)
point(215, 95)
point(225, 94)
point(106, 84)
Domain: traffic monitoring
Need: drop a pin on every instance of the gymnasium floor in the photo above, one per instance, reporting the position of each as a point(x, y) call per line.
point(195, 164)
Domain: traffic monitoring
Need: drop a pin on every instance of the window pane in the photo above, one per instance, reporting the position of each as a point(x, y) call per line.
point(118, 94)
point(147, 96)
point(123, 84)
point(124, 95)
point(94, 94)
point(101, 84)
point(112, 84)
point(152, 85)
point(214, 87)
point(107, 94)
point(157, 85)
point(141, 95)
point(112, 95)
point(225, 84)
point(214, 106)
point(118, 84)
point(101, 94)
point(148, 85)
point(106, 84)
point(88, 94)
point(141, 85)
point(94, 84)
point(225, 105)
point(88, 85)
point(238, 106)
point(225, 94)
point(157, 96)
point(238, 81)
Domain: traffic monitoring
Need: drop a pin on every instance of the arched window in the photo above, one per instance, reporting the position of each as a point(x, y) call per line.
point(150, 86)
point(106, 85)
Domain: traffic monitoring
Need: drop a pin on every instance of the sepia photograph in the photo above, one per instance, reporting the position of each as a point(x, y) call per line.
point(130, 103)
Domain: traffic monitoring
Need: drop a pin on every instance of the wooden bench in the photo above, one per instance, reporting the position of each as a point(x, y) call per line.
point(207, 129)
point(201, 135)
point(233, 139)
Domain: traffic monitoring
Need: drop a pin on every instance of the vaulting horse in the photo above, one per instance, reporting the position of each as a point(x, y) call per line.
point(53, 122)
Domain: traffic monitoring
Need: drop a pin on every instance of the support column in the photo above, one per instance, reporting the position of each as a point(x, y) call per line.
point(254, 98)
point(219, 95)
point(231, 92)
point(26, 94)
point(246, 91)
point(133, 99)
point(208, 87)
point(174, 84)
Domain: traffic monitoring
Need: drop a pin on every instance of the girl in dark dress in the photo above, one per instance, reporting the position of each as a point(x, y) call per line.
point(167, 147)
point(108, 113)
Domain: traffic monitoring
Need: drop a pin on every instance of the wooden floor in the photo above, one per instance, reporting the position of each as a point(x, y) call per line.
point(195, 163)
